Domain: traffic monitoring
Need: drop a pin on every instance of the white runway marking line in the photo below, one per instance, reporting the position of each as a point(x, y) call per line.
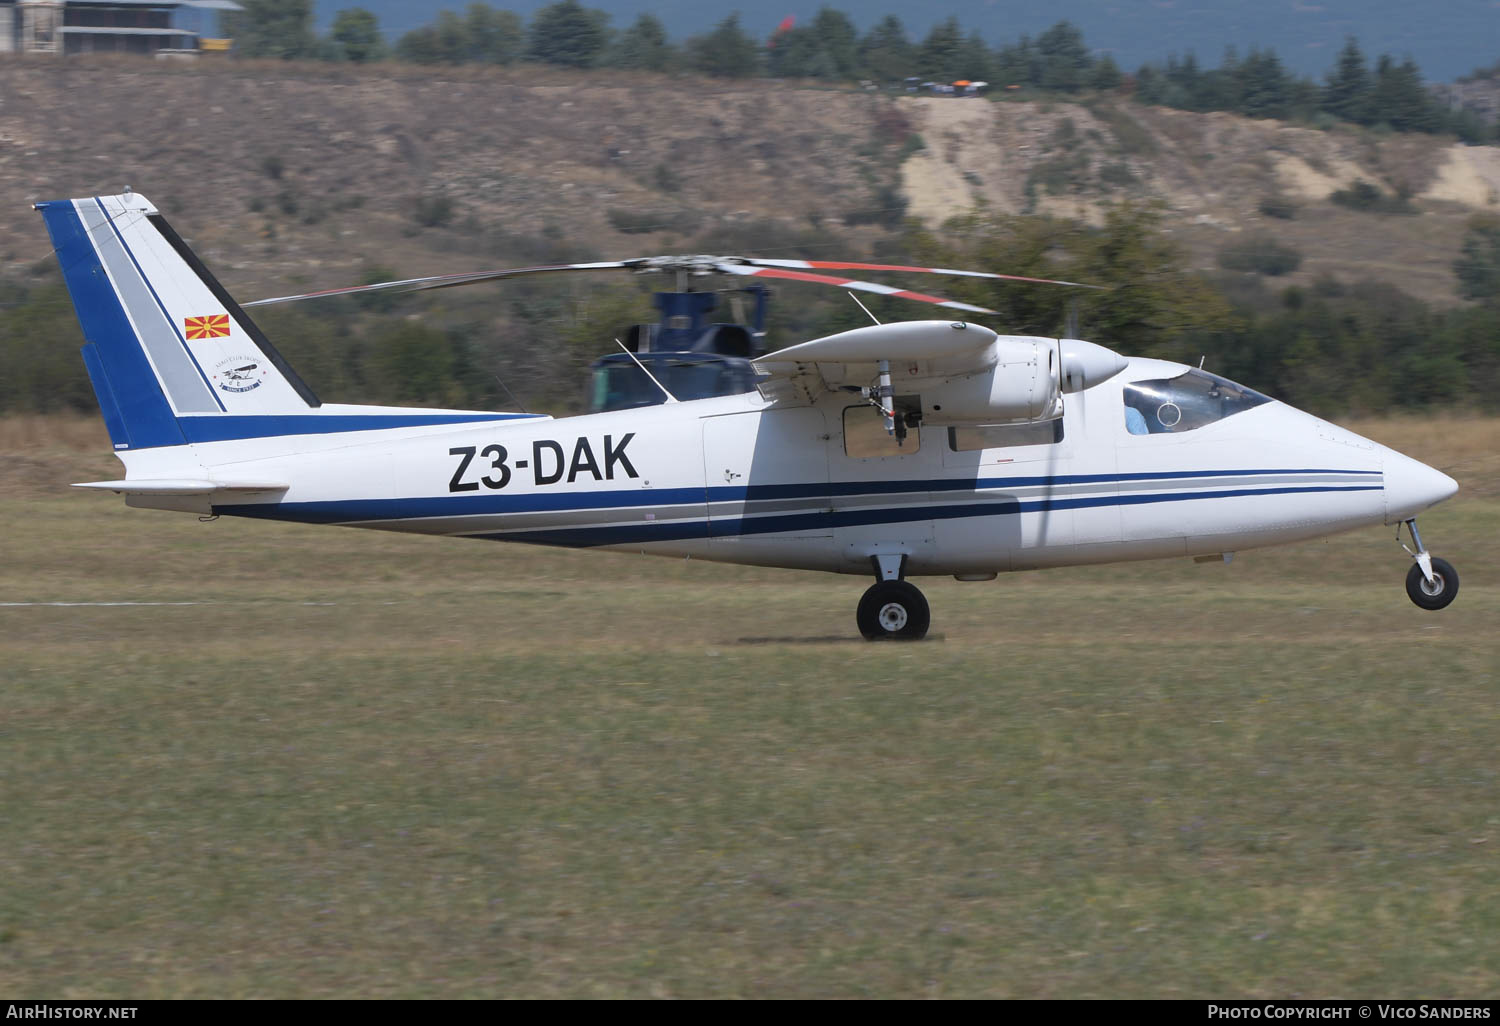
point(15, 605)
point(70, 605)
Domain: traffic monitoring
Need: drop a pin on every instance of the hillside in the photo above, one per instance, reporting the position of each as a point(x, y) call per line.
point(287, 175)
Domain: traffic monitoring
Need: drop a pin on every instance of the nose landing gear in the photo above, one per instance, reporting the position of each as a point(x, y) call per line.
point(1431, 583)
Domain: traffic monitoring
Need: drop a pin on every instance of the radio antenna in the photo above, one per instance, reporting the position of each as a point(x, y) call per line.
point(862, 306)
point(670, 397)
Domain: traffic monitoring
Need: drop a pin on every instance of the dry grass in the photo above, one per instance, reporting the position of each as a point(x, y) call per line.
point(1465, 447)
point(27, 432)
point(360, 764)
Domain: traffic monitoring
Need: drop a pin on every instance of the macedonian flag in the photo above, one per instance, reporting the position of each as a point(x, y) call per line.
point(212, 326)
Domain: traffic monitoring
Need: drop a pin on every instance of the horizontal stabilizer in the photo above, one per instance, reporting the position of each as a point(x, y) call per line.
point(179, 487)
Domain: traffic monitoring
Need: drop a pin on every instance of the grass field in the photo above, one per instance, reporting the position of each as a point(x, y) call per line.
point(315, 762)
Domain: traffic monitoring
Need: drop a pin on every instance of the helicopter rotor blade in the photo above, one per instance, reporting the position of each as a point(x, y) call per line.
point(790, 270)
point(839, 265)
point(787, 274)
point(441, 281)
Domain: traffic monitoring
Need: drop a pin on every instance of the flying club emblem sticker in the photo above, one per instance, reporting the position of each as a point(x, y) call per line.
point(211, 326)
point(239, 374)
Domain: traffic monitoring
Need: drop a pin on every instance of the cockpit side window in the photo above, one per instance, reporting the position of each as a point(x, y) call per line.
point(1185, 403)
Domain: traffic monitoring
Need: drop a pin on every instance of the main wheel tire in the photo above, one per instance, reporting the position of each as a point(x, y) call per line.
point(1438, 594)
point(893, 610)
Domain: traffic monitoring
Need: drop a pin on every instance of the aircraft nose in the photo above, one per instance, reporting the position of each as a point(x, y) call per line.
point(1411, 487)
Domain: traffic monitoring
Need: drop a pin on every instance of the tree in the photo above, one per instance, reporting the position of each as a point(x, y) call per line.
point(1065, 60)
point(567, 33)
point(838, 40)
point(1264, 86)
point(1478, 265)
point(644, 45)
point(1399, 98)
point(976, 59)
point(492, 36)
point(1018, 64)
point(885, 54)
point(1153, 300)
point(356, 36)
point(1347, 93)
point(799, 53)
point(272, 28)
point(1106, 75)
point(446, 41)
point(941, 55)
point(726, 52)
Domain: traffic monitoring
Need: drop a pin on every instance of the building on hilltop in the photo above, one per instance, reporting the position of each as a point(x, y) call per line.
point(153, 27)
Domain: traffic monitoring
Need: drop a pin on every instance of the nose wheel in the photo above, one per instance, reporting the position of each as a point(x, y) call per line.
point(893, 610)
point(1431, 583)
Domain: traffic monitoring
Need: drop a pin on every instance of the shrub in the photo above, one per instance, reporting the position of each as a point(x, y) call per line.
point(432, 211)
point(1278, 206)
point(1260, 254)
point(629, 221)
point(1118, 173)
point(1361, 195)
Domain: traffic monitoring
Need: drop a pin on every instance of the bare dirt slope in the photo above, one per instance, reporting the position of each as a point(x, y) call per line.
point(1212, 172)
point(288, 174)
point(284, 172)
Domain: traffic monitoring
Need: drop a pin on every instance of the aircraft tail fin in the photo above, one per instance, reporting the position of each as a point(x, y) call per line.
point(167, 348)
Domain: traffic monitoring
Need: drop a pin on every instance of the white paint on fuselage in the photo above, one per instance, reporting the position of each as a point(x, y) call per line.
point(1265, 476)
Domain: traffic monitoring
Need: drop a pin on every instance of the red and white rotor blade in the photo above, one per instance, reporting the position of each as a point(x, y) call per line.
point(788, 274)
point(839, 265)
point(442, 281)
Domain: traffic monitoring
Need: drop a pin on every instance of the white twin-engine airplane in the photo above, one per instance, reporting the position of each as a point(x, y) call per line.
point(894, 451)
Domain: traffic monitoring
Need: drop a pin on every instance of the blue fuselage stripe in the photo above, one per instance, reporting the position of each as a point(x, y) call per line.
point(819, 522)
point(370, 511)
point(423, 507)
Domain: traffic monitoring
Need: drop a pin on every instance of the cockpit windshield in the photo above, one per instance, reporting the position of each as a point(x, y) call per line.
point(1184, 403)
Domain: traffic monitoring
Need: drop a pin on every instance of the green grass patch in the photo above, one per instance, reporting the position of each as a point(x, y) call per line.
point(365, 764)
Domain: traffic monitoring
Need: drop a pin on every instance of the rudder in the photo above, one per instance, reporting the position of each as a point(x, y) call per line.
point(165, 340)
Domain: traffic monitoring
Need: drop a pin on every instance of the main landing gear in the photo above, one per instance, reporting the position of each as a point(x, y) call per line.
point(892, 608)
point(1431, 583)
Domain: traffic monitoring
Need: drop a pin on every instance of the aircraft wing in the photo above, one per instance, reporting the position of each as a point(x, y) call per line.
point(912, 348)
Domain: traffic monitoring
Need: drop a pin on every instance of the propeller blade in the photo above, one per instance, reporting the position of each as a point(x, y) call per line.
point(847, 283)
point(442, 281)
point(839, 265)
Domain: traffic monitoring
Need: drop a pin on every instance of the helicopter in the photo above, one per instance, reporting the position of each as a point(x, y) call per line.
point(892, 451)
point(685, 354)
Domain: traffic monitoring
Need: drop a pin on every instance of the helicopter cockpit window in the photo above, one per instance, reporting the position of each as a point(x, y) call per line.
point(1184, 403)
point(623, 385)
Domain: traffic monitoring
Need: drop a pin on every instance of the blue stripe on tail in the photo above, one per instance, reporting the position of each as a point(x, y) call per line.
point(141, 413)
point(106, 396)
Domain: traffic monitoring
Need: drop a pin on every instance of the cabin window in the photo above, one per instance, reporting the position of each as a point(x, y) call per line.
point(1184, 403)
point(1008, 436)
point(865, 436)
point(622, 385)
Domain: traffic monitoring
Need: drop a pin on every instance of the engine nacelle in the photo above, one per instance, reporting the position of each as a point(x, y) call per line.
point(1022, 384)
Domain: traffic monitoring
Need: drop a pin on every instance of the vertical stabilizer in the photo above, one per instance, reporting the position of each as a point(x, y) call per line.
point(167, 346)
